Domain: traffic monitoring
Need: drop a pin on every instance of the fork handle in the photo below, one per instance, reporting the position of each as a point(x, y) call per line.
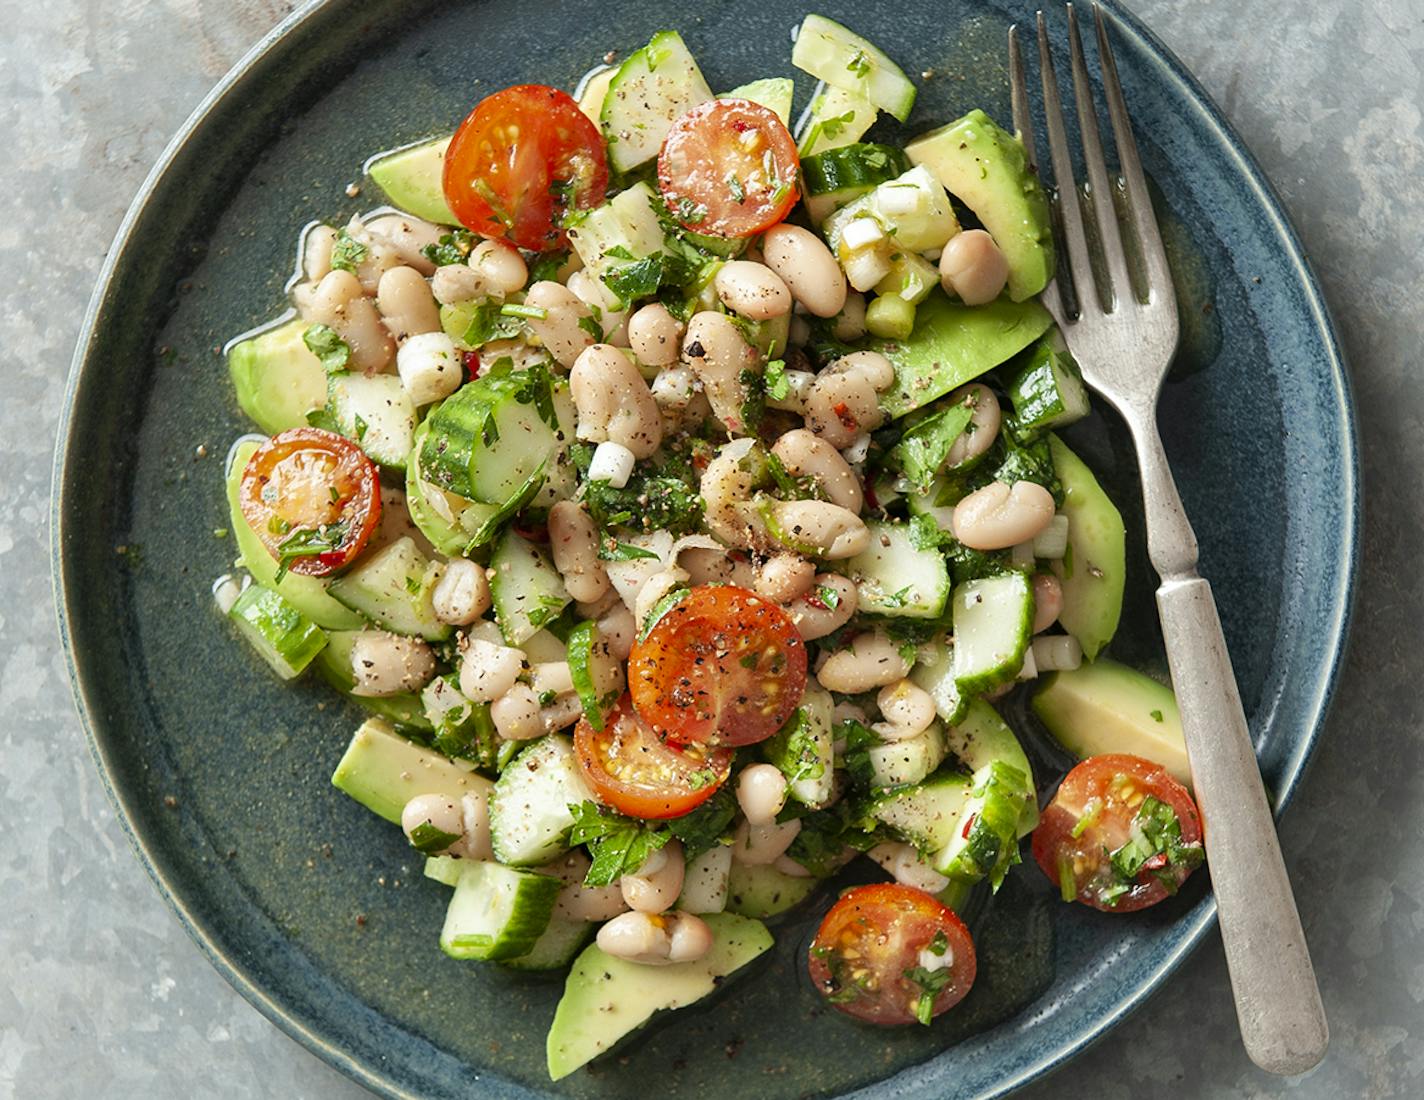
point(1278, 1003)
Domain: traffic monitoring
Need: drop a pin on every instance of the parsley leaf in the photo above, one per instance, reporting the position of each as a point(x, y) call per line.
point(774, 380)
point(309, 542)
point(925, 445)
point(613, 550)
point(831, 127)
point(635, 280)
point(452, 248)
point(619, 845)
point(323, 342)
point(488, 322)
point(931, 983)
point(704, 828)
point(347, 253)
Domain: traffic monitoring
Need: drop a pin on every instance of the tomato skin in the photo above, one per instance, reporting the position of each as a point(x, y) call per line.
point(509, 156)
point(887, 926)
point(729, 168)
point(1113, 781)
point(630, 769)
point(307, 478)
point(723, 666)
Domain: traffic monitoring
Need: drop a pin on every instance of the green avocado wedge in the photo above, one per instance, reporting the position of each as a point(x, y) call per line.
point(1094, 570)
point(952, 344)
point(413, 179)
point(277, 378)
point(607, 998)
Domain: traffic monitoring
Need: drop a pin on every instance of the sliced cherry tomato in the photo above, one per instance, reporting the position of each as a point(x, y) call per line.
point(723, 666)
point(728, 169)
point(1120, 834)
point(890, 954)
point(520, 160)
point(313, 498)
point(630, 769)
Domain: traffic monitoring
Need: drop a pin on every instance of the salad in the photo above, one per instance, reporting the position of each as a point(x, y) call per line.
point(681, 498)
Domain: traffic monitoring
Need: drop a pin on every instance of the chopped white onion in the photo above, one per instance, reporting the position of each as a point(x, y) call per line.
point(1030, 666)
point(429, 366)
point(1022, 554)
point(1056, 653)
point(226, 589)
point(866, 268)
point(862, 233)
point(930, 961)
point(856, 453)
point(613, 463)
point(1052, 541)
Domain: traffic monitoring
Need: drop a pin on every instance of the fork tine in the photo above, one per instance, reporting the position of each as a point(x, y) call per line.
point(1159, 275)
point(1023, 123)
point(1109, 236)
point(1070, 211)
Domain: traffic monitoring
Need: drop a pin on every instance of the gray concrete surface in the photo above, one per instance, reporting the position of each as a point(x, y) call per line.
point(101, 992)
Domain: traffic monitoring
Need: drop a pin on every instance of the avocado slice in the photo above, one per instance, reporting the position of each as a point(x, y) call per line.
point(986, 168)
point(1094, 569)
point(607, 998)
point(762, 891)
point(1107, 707)
point(413, 179)
point(383, 771)
point(953, 344)
point(307, 594)
point(277, 378)
point(773, 92)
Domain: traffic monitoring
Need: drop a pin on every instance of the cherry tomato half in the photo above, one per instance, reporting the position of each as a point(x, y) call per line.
point(728, 169)
point(313, 498)
point(637, 774)
point(521, 159)
point(1120, 834)
point(890, 954)
point(723, 666)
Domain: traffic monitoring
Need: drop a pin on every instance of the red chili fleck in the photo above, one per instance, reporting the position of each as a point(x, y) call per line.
point(472, 364)
point(969, 824)
point(1155, 863)
point(815, 600)
point(842, 410)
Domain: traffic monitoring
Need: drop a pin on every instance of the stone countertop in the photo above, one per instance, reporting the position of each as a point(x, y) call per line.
point(101, 991)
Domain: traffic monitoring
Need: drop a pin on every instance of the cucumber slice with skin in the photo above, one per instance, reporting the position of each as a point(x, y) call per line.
point(834, 53)
point(529, 809)
point(982, 738)
point(333, 664)
point(444, 869)
point(1094, 568)
point(277, 378)
point(913, 209)
point(934, 671)
point(985, 845)
point(448, 521)
point(837, 117)
point(837, 176)
point(774, 93)
point(383, 771)
point(899, 763)
point(308, 595)
point(556, 947)
point(394, 588)
point(927, 814)
point(497, 912)
point(894, 578)
point(628, 222)
point(597, 673)
point(652, 88)
point(375, 411)
point(526, 589)
point(993, 619)
point(803, 750)
point(413, 179)
point(1046, 387)
point(285, 638)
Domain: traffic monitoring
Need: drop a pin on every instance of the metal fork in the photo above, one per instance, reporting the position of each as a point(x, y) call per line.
point(1124, 344)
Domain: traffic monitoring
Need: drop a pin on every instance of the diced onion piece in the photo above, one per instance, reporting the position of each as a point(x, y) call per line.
point(897, 199)
point(859, 450)
point(430, 367)
point(226, 589)
point(1030, 666)
point(1022, 554)
point(1052, 541)
point(1056, 653)
point(613, 463)
point(862, 233)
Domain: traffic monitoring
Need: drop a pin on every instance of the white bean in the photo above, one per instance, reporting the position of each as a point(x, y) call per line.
point(906, 867)
point(386, 664)
point(805, 454)
point(758, 845)
point(788, 866)
point(872, 660)
point(339, 303)
point(821, 529)
point(807, 267)
point(406, 304)
point(654, 887)
point(656, 939)
point(691, 939)
point(604, 304)
point(655, 335)
point(462, 594)
point(558, 330)
point(573, 541)
point(430, 366)
point(500, 265)
point(613, 401)
point(442, 813)
point(972, 267)
point(726, 487)
point(488, 670)
point(984, 420)
point(476, 843)
point(1047, 601)
point(761, 793)
point(618, 629)
point(316, 252)
point(826, 608)
point(907, 709)
point(455, 283)
point(849, 323)
point(406, 236)
point(563, 712)
point(784, 577)
point(654, 589)
point(579, 902)
point(843, 402)
point(551, 676)
point(999, 516)
point(715, 350)
point(516, 714)
point(674, 388)
point(752, 290)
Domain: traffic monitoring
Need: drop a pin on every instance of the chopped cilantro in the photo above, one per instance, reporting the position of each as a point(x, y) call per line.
point(735, 189)
point(931, 983)
point(309, 542)
point(326, 345)
point(619, 845)
point(613, 550)
point(429, 839)
point(774, 380)
point(347, 253)
point(859, 64)
point(452, 248)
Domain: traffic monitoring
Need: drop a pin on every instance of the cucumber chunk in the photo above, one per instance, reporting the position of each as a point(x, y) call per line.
point(1094, 568)
point(285, 638)
point(448, 521)
point(394, 588)
point(927, 814)
point(993, 617)
point(413, 179)
point(607, 998)
point(934, 671)
point(837, 117)
point(839, 175)
point(308, 595)
point(334, 665)
point(375, 411)
point(650, 90)
point(526, 589)
point(774, 93)
point(911, 278)
point(497, 912)
point(529, 809)
point(597, 674)
point(803, 750)
point(383, 771)
point(556, 947)
point(912, 209)
point(982, 738)
point(986, 845)
point(1046, 387)
point(444, 869)
point(277, 378)
point(899, 763)
point(628, 222)
point(761, 891)
point(843, 59)
point(892, 577)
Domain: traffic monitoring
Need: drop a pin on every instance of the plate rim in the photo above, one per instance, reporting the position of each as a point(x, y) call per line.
point(1189, 89)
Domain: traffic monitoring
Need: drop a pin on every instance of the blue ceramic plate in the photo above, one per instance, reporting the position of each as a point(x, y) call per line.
point(312, 907)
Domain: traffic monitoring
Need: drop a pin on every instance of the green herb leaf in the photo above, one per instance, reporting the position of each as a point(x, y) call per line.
point(347, 253)
point(426, 838)
point(591, 326)
point(619, 845)
point(925, 445)
point(309, 542)
point(613, 550)
point(859, 64)
point(635, 280)
point(774, 380)
point(326, 345)
point(453, 248)
point(705, 827)
point(931, 983)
